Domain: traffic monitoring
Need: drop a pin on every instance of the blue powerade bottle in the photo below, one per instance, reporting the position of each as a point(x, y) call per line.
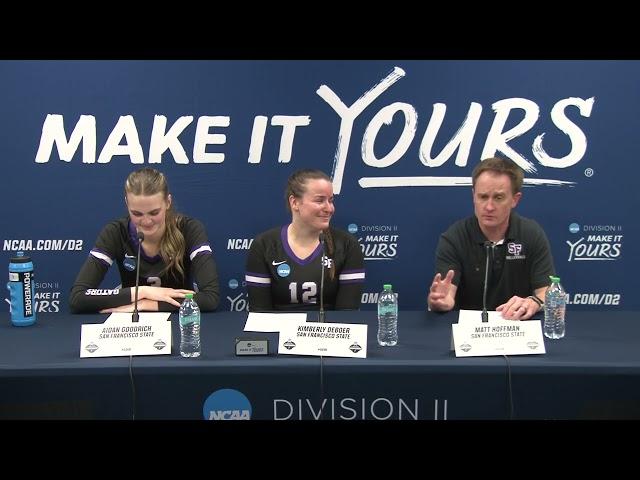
point(22, 291)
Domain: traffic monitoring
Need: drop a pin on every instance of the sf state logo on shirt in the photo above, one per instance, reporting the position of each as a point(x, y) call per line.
point(284, 270)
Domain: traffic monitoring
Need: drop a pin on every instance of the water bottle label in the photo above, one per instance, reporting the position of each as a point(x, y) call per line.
point(188, 319)
point(14, 277)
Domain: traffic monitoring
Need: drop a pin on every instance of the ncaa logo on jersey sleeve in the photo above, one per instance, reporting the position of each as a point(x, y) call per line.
point(129, 263)
point(284, 270)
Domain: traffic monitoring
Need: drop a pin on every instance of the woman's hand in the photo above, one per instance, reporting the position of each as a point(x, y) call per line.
point(161, 294)
point(144, 305)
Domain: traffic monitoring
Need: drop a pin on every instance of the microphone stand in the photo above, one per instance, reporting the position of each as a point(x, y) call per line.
point(321, 320)
point(321, 312)
point(485, 314)
point(136, 316)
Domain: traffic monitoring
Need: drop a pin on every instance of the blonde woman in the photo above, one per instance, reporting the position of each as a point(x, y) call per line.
point(174, 259)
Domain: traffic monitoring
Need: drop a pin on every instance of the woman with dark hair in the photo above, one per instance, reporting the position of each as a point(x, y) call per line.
point(175, 256)
point(284, 266)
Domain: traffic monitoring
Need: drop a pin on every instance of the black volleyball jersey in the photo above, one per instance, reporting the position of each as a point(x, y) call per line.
point(278, 280)
point(118, 244)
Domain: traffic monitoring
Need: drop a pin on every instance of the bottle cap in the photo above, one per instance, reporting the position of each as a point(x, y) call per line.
point(188, 295)
point(554, 279)
point(20, 258)
point(387, 286)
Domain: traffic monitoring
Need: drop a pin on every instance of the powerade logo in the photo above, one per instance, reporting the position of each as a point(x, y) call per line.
point(28, 311)
point(227, 404)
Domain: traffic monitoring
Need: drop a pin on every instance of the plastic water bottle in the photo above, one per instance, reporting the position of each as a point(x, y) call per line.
point(387, 317)
point(22, 291)
point(555, 304)
point(189, 315)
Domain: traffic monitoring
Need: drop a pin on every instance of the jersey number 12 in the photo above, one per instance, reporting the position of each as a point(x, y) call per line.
point(309, 291)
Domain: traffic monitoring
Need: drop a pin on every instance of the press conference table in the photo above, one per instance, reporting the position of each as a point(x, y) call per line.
point(594, 372)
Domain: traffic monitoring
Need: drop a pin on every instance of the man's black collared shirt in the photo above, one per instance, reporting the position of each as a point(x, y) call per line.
point(518, 266)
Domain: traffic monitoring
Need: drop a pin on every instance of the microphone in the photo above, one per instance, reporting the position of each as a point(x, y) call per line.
point(136, 316)
point(485, 314)
point(321, 312)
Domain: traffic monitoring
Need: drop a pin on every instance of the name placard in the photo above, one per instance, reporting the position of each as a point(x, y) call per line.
point(323, 339)
point(497, 337)
point(252, 346)
point(149, 336)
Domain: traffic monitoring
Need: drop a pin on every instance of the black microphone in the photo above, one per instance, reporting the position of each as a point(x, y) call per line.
point(485, 314)
point(321, 312)
point(136, 316)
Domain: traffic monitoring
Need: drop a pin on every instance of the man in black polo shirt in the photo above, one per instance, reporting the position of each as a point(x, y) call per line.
point(520, 260)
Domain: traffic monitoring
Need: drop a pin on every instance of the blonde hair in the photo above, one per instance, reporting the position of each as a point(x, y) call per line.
point(149, 181)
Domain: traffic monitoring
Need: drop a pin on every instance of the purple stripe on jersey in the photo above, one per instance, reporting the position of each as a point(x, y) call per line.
point(258, 275)
point(261, 275)
point(104, 262)
point(203, 252)
point(357, 271)
point(94, 249)
point(293, 256)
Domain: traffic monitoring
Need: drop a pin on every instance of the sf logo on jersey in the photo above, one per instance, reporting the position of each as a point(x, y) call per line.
point(327, 261)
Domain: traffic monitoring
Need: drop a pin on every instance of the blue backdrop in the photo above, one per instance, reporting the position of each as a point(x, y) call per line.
point(400, 139)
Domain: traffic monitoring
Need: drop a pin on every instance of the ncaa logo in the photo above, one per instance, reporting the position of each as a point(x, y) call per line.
point(514, 248)
point(129, 263)
point(352, 228)
point(233, 284)
point(227, 404)
point(284, 270)
point(574, 228)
